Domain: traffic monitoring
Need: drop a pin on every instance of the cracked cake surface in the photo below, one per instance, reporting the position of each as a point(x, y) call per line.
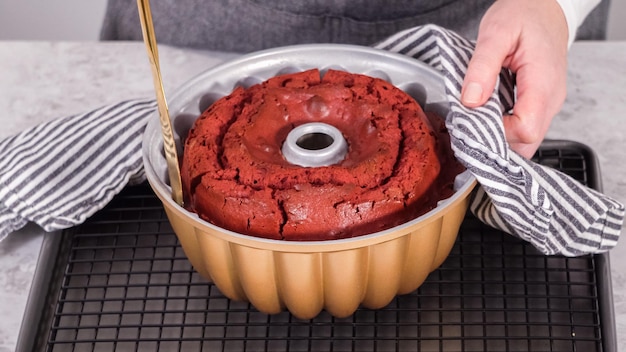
point(398, 165)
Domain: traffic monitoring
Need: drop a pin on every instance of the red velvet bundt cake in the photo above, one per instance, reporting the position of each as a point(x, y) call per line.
point(398, 163)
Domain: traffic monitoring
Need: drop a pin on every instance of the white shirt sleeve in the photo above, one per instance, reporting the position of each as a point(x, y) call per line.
point(575, 13)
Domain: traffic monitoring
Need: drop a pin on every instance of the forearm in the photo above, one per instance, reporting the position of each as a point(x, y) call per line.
point(575, 13)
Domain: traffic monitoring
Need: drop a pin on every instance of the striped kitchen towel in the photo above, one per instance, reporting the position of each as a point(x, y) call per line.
point(543, 206)
point(60, 173)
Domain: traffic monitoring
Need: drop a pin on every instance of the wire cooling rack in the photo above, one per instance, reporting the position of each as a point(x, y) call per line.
point(122, 282)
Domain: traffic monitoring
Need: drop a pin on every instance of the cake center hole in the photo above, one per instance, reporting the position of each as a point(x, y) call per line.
point(314, 144)
point(315, 141)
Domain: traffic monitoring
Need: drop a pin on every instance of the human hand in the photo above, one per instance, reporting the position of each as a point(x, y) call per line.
point(529, 37)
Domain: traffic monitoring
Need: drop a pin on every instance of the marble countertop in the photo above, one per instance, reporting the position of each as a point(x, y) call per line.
point(40, 81)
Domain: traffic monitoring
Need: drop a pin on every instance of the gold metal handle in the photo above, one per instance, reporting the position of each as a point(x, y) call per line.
point(169, 145)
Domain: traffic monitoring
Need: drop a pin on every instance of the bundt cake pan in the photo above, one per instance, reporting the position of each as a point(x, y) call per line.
point(307, 277)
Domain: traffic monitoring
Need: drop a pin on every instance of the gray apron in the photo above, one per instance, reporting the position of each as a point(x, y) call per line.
point(249, 25)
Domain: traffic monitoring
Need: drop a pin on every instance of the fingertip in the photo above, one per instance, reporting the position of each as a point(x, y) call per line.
point(480, 80)
point(472, 94)
point(484, 67)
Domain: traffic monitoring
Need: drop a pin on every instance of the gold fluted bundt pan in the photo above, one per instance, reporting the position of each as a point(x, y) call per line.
point(307, 277)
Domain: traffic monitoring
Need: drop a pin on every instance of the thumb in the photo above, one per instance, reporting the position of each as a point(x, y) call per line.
point(484, 67)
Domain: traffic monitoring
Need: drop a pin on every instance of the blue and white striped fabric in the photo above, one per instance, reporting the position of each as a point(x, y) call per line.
point(60, 173)
point(545, 207)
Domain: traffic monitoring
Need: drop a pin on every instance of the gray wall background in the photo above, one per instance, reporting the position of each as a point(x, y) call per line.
point(80, 19)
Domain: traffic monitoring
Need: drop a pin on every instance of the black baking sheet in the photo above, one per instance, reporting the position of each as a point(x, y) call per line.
point(121, 282)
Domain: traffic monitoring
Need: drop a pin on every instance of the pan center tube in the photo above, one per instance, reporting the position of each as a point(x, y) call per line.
point(315, 144)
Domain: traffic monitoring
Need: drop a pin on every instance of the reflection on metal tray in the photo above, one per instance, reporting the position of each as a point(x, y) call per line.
point(121, 282)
